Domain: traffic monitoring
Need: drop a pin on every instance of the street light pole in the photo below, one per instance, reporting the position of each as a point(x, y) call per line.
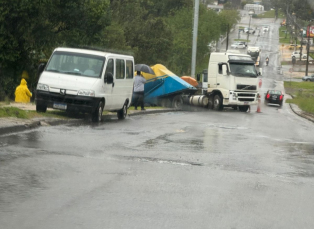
point(248, 32)
point(308, 33)
point(301, 44)
point(251, 12)
point(194, 42)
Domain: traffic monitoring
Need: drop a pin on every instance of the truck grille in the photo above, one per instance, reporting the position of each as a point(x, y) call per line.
point(247, 87)
point(246, 97)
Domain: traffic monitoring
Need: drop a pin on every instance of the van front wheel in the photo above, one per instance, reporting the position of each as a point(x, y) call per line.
point(123, 112)
point(41, 108)
point(97, 114)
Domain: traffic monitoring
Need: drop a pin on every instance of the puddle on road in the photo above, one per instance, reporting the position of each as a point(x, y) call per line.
point(300, 148)
point(159, 160)
point(301, 156)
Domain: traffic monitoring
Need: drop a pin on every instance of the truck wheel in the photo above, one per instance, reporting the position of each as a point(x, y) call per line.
point(41, 108)
point(243, 108)
point(177, 102)
point(123, 112)
point(97, 114)
point(217, 103)
point(165, 102)
point(210, 102)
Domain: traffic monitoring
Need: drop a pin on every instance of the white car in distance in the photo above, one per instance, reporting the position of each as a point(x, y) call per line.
point(265, 28)
point(238, 45)
point(296, 55)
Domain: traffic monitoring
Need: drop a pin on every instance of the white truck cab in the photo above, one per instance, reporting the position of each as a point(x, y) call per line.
point(231, 81)
point(82, 80)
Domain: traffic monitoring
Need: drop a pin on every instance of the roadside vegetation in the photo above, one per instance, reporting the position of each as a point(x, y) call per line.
point(153, 31)
point(302, 93)
point(284, 35)
point(10, 111)
point(14, 112)
point(269, 14)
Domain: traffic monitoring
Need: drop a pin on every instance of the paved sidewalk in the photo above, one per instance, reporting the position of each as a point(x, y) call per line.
point(10, 125)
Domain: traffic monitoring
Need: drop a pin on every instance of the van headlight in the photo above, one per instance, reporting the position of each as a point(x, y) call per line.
point(84, 92)
point(42, 87)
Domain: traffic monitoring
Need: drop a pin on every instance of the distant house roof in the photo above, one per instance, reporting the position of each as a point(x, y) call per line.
point(215, 7)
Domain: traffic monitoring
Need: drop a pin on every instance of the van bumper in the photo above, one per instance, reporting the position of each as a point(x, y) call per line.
point(73, 102)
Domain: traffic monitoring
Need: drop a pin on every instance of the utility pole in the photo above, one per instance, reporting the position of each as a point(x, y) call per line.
point(194, 45)
point(308, 33)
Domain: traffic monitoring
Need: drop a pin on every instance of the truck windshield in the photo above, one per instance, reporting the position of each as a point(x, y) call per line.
point(76, 64)
point(243, 70)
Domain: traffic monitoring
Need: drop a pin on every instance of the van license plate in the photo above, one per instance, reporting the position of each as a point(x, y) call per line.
point(61, 106)
point(246, 103)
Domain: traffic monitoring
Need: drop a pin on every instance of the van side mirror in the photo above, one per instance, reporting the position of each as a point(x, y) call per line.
point(198, 77)
point(41, 68)
point(109, 78)
point(260, 71)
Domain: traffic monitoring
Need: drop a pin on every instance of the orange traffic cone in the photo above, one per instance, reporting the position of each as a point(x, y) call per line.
point(259, 105)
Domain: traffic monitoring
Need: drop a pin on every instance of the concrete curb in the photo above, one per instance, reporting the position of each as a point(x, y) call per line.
point(31, 124)
point(301, 114)
point(295, 109)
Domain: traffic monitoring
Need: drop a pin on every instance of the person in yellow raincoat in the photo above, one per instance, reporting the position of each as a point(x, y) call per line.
point(22, 94)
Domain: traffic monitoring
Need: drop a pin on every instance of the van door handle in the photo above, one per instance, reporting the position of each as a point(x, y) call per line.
point(218, 84)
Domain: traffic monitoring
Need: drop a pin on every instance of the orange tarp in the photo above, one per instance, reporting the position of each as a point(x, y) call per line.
point(190, 80)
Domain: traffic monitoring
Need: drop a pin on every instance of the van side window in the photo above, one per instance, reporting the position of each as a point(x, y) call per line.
point(129, 69)
point(120, 69)
point(109, 68)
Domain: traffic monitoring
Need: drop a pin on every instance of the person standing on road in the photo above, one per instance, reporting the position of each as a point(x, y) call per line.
point(22, 93)
point(267, 60)
point(139, 83)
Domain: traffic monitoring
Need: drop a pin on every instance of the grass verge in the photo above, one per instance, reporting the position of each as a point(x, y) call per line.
point(303, 95)
point(14, 112)
point(270, 14)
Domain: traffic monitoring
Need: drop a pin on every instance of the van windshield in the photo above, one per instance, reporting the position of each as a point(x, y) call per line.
point(243, 70)
point(76, 64)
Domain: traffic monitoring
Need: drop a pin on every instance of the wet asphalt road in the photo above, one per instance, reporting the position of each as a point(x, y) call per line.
point(173, 170)
point(191, 169)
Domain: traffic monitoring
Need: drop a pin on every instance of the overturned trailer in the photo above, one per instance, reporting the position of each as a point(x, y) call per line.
point(165, 88)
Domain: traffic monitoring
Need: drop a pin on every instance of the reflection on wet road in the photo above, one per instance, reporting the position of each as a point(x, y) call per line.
point(179, 168)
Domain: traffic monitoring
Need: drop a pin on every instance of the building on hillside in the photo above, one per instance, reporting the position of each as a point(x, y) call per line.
point(216, 8)
point(257, 8)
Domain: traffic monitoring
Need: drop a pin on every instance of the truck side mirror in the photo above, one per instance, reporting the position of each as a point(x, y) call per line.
point(225, 70)
point(198, 77)
point(109, 78)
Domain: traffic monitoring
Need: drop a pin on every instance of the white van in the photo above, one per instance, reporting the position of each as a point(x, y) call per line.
point(82, 80)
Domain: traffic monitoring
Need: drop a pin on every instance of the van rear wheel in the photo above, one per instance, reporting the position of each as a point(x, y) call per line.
point(97, 114)
point(123, 112)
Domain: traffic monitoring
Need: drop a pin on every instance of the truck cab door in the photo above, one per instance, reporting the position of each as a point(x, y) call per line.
point(204, 81)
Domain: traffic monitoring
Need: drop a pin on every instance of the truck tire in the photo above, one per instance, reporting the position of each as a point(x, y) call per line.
point(177, 102)
point(244, 108)
point(217, 106)
point(41, 108)
point(210, 102)
point(123, 112)
point(97, 114)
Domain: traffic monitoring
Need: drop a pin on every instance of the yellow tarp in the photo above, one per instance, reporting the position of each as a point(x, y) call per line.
point(160, 70)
